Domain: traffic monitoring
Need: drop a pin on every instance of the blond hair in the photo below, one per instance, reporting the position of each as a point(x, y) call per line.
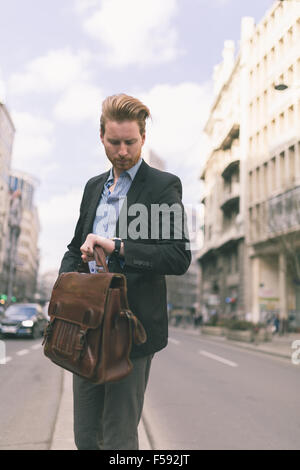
point(121, 108)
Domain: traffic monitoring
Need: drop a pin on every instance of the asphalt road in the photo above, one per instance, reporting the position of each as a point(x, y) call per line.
point(29, 396)
point(206, 395)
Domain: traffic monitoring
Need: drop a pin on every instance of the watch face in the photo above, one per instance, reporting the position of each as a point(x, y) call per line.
point(117, 245)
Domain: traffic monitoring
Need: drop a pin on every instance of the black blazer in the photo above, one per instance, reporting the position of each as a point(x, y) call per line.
point(147, 259)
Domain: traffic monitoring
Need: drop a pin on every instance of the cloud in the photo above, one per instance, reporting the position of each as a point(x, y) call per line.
point(51, 73)
point(179, 113)
point(58, 217)
point(176, 133)
point(2, 89)
point(34, 141)
point(135, 32)
point(80, 102)
point(82, 6)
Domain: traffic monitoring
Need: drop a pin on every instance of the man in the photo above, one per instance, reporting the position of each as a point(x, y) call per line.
point(106, 416)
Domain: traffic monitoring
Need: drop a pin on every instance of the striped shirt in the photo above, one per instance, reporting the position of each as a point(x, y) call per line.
point(110, 204)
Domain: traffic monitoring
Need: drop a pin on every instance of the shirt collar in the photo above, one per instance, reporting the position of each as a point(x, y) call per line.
point(131, 172)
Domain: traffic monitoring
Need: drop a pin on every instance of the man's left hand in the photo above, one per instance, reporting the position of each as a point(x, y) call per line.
point(87, 249)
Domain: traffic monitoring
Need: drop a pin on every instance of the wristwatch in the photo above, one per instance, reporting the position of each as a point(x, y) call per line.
point(117, 245)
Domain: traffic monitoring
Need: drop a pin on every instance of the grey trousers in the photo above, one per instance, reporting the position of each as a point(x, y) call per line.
point(107, 416)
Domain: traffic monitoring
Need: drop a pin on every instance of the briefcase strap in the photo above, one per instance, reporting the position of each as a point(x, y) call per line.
point(100, 258)
point(139, 333)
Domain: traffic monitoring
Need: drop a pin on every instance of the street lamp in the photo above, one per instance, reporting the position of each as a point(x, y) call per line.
point(284, 86)
point(280, 87)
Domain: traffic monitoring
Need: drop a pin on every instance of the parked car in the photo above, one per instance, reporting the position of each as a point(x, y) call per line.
point(23, 319)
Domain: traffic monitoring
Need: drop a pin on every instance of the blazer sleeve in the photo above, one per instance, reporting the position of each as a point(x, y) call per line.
point(72, 257)
point(169, 251)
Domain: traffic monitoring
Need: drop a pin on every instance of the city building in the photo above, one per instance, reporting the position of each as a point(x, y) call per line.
point(152, 158)
point(222, 258)
point(250, 259)
point(273, 163)
point(7, 132)
point(22, 259)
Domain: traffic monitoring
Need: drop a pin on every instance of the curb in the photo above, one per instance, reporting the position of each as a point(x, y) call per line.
point(62, 437)
point(239, 344)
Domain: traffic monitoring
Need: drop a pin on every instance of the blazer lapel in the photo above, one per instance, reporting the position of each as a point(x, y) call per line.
point(132, 196)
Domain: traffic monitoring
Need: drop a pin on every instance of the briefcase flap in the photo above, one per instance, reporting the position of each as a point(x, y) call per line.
point(80, 298)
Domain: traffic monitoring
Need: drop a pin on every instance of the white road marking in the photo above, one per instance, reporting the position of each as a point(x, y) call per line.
point(174, 341)
point(5, 360)
point(22, 352)
point(218, 358)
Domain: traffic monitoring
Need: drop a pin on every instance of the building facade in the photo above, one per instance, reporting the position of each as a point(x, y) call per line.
point(222, 257)
point(273, 164)
point(7, 132)
point(250, 260)
point(22, 252)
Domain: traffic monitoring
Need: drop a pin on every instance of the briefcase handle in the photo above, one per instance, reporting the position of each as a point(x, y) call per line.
point(100, 258)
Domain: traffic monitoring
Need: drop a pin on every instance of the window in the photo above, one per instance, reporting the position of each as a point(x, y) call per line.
point(265, 139)
point(291, 116)
point(281, 122)
point(258, 111)
point(290, 77)
point(251, 146)
point(265, 66)
point(273, 128)
point(273, 174)
point(281, 47)
point(290, 36)
point(265, 102)
point(272, 58)
point(282, 168)
point(251, 223)
point(250, 187)
point(257, 183)
point(292, 166)
point(265, 180)
point(258, 220)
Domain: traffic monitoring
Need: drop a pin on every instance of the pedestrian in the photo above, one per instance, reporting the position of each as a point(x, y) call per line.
point(276, 323)
point(144, 249)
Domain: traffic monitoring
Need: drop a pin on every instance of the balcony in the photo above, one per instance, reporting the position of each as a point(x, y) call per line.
point(231, 198)
point(231, 133)
point(231, 167)
point(233, 232)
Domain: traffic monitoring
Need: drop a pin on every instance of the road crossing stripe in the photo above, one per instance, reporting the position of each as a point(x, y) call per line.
point(22, 352)
point(174, 341)
point(218, 358)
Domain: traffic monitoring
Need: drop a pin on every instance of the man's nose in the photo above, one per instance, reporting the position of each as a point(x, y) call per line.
point(123, 149)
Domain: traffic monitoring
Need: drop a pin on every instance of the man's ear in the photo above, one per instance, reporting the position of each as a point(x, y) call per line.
point(143, 138)
point(101, 135)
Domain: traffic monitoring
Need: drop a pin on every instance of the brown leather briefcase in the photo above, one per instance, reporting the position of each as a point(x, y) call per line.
point(91, 327)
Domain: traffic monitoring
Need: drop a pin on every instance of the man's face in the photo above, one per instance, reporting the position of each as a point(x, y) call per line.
point(123, 144)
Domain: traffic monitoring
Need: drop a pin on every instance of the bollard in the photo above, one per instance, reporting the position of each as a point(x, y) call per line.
point(2, 353)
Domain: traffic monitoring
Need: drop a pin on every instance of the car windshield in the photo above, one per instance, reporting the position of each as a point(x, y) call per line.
point(15, 311)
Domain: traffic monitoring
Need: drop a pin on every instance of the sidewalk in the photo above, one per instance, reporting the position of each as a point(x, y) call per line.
point(62, 438)
point(280, 346)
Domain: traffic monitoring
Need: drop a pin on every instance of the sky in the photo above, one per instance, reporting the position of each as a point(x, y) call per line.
point(60, 59)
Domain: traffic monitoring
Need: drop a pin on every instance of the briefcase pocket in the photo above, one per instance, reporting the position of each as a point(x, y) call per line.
point(73, 347)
